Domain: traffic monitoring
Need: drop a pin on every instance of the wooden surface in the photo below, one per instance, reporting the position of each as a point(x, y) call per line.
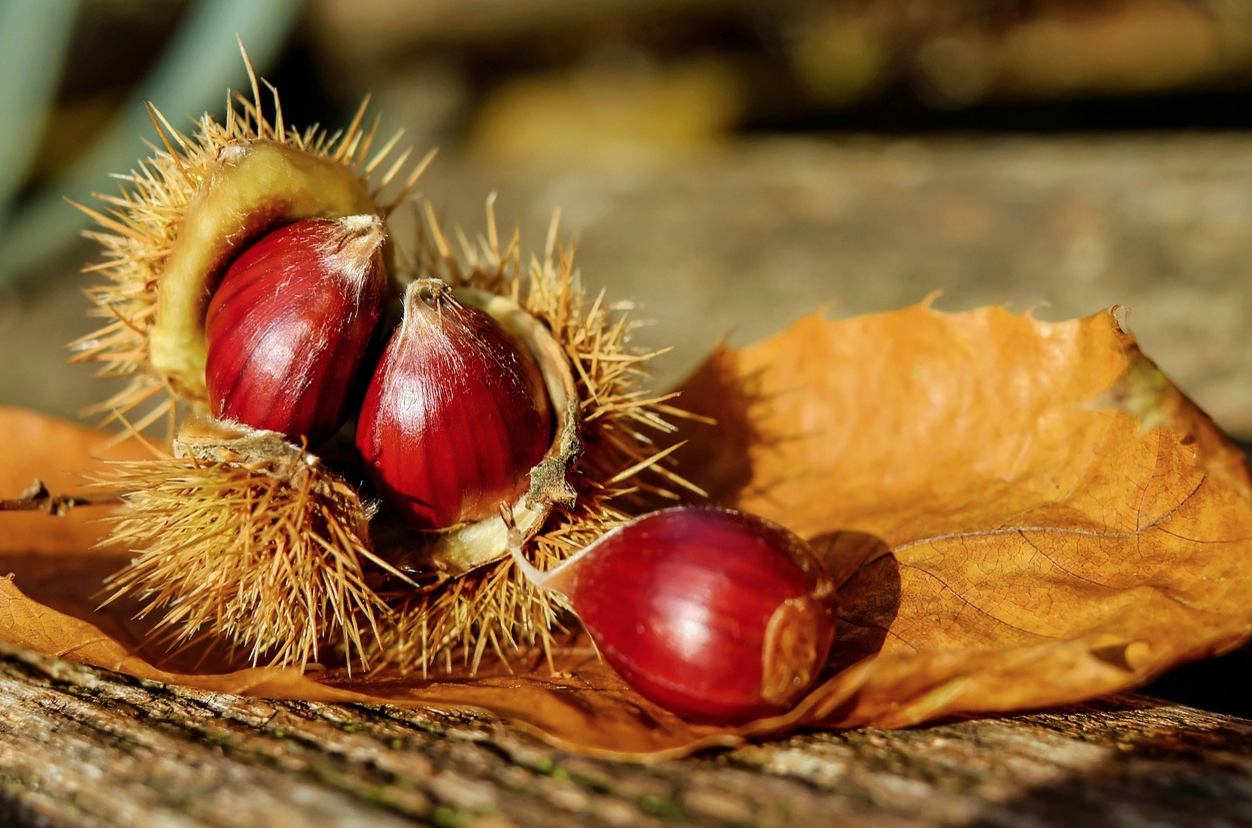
point(84, 747)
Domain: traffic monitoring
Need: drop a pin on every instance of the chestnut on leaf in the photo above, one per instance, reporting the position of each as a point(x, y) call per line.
point(717, 615)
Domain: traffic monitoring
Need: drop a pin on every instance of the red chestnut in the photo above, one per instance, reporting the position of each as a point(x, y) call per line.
point(455, 416)
point(717, 615)
point(290, 323)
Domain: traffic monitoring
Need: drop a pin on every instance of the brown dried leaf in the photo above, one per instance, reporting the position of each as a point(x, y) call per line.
point(1021, 514)
point(1042, 541)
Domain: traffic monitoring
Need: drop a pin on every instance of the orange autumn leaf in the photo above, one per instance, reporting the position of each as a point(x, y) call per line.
point(1020, 514)
point(1036, 542)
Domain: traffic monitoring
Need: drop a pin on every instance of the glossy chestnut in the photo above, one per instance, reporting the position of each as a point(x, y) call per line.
point(456, 414)
point(717, 615)
point(290, 324)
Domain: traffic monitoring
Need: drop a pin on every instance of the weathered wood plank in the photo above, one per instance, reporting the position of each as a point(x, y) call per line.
point(85, 747)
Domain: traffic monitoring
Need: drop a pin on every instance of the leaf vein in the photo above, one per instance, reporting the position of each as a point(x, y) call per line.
point(987, 613)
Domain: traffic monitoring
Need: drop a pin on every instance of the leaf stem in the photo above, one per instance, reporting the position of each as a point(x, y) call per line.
point(37, 497)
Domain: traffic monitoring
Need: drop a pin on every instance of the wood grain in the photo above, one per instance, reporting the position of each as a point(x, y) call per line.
point(85, 747)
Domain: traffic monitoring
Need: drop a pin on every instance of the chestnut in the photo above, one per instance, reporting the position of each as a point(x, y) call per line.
point(455, 416)
point(290, 323)
point(717, 615)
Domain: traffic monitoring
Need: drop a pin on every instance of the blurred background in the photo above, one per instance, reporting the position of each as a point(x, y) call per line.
point(730, 165)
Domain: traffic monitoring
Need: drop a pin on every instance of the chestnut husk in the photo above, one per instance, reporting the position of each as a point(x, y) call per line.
point(167, 242)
